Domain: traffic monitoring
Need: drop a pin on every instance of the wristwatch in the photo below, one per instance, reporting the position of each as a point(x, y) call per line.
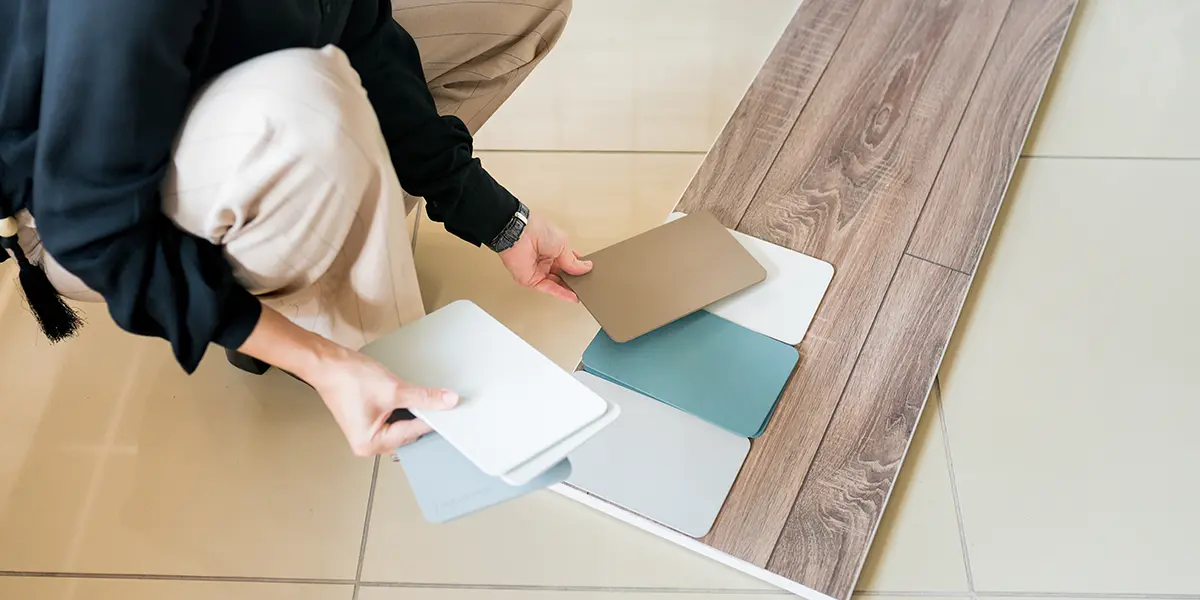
point(512, 231)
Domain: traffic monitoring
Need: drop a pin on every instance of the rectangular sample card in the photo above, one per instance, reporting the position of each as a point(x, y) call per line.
point(714, 369)
point(658, 461)
point(784, 304)
point(673, 270)
point(516, 404)
point(540, 463)
point(447, 485)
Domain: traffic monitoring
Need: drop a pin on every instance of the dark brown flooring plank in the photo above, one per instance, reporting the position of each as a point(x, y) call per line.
point(825, 541)
point(848, 186)
point(967, 194)
point(739, 159)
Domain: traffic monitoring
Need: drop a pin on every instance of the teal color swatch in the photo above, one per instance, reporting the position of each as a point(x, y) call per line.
point(721, 372)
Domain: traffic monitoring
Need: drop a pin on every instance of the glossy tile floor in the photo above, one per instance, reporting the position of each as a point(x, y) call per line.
point(1057, 462)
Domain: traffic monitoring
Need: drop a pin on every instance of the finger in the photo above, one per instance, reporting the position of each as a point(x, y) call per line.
point(426, 398)
point(558, 290)
point(401, 433)
point(570, 263)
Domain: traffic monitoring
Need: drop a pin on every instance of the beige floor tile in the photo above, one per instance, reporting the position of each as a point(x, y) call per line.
point(637, 75)
point(598, 199)
point(917, 547)
point(1070, 391)
point(1126, 83)
point(113, 461)
point(44, 588)
point(369, 593)
point(538, 540)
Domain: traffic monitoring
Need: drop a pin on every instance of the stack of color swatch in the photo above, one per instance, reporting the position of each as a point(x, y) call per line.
point(699, 332)
point(518, 417)
point(700, 328)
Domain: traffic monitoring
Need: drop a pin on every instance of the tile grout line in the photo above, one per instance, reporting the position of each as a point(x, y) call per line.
point(887, 594)
point(706, 152)
point(362, 548)
point(599, 151)
point(579, 589)
point(380, 584)
point(958, 514)
point(572, 589)
point(155, 577)
point(1082, 157)
point(1091, 595)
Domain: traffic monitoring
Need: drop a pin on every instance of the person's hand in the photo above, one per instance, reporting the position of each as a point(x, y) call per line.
point(540, 255)
point(359, 392)
point(362, 394)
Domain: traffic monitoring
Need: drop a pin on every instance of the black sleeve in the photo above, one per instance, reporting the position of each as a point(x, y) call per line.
point(432, 154)
point(115, 93)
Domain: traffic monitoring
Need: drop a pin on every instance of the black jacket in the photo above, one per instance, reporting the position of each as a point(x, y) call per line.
point(93, 94)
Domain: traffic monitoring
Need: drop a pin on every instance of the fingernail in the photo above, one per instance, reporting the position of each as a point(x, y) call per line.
point(449, 398)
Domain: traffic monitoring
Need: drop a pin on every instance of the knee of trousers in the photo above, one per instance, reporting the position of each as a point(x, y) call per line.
point(552, 33)
point(273, 163)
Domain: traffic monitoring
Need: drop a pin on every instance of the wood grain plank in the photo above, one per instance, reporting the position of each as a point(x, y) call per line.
point(739, 159)
point(847, 187)
point(824, 543)
point(967, 194)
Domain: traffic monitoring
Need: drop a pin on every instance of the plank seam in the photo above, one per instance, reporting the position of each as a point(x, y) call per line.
point(936, 264)
point(799, 115)
point(891, 281)
point(841, 396)
point(1074, 5)
point(957, 127)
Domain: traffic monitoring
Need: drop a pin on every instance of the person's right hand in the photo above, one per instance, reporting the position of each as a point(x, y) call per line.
point(359, 392)
point(362, 394)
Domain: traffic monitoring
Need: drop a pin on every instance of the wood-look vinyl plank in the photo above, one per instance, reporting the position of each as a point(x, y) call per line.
point(825, 540)
point(743, 153)
point(879, 136)
point(847, 187)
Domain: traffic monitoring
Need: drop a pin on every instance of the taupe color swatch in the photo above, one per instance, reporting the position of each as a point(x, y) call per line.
point(880, 137)
point(667, 273)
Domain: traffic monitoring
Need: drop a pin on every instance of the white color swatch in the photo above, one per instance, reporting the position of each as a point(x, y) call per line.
point(782, 306)
point(516, 405)
point(529, 470)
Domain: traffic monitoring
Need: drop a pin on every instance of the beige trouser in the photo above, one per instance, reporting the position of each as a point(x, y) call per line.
point(281, 162)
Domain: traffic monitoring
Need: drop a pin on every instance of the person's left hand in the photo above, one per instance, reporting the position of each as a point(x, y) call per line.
point(542, 252)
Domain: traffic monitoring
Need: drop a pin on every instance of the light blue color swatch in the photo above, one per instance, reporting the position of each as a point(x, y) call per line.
point(447, 485)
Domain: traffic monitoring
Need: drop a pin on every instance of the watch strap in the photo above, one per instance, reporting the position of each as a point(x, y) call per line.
point(512, 230)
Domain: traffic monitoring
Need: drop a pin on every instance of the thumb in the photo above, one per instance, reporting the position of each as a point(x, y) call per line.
point(400, 433)
point(426, 398)
point(568, 262)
